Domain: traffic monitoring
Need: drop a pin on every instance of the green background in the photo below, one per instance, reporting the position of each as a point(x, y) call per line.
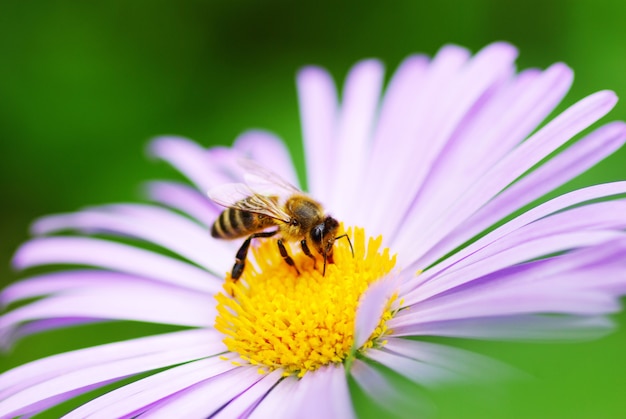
point(85, 85)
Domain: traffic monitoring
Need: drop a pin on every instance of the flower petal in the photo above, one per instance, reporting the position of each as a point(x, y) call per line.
point(150, 223)
point(176, 388)
point(187, 157)
point(44, 382)
point(193, 403)
point(378, 389)
point(355, 126)
point(118, 301)
point(397, 161)
point(529, 153)
point(269, 151)
point(451, 364)
point(528, 327)
point(499, 122)
point(560, 169)
point(370, 310)
point(556, 285)
point(186, 199)
point(601, 220)
point(318, 113)
point(114, 256)
point(322, 393)
point(277, 402)
point(243, 405)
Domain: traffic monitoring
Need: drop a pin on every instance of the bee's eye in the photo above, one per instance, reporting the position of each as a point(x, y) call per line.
point(317, 233)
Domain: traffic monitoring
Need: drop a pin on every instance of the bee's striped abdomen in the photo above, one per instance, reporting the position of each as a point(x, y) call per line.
point(233, 223)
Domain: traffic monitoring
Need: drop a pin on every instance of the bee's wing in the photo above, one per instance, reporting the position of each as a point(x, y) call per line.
point(263, 181)
point(240, 196)
point(229, 194)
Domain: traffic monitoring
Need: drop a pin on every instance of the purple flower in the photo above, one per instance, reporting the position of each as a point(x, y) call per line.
point(433, 180)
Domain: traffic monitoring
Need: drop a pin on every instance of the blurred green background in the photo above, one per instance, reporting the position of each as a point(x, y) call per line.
point(85, 85)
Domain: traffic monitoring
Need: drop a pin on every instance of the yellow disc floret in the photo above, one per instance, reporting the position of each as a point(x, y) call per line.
point(275, 318)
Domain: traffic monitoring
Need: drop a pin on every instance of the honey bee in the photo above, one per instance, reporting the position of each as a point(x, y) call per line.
point(266, 200)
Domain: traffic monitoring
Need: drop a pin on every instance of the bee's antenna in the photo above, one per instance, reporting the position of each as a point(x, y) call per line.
point(349, 242)
point(324, 270)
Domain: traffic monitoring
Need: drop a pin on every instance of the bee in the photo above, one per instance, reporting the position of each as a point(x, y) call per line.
point(264, 201)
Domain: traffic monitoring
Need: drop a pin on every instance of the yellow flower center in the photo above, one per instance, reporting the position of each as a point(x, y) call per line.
point(275, 318)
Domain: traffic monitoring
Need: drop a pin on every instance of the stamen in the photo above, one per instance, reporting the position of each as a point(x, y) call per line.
point(274, 318)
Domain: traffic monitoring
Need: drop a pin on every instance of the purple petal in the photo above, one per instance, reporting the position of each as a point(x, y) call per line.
point(371, 308)
point(395, 164)
point(500, 121)
point(378, 389)
point(451, 364)
point(454, 99)
point(114, 256)
point(529, 153)
point(562, 168)
point(76, 280)
point(193, 403)
point(185, 199)
point(601, 220)
point(318, 113)
point(176, 387)
point(445, 371)
point(269, 151)
point(524, 252)
point(400, 98)
point(248, 400)
point(187, 157)
point(321, 393)
point(274, 403)
point(45, 380)
point(529, 327)
point(355, 126)
point(150, 223)
point(118, 301)
point(583, 282)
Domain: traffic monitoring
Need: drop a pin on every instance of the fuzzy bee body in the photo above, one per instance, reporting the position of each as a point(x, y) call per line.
point(234, 223)
point(297, 217)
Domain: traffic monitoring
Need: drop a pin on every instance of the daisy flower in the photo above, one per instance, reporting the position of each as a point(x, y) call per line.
point(435, 179)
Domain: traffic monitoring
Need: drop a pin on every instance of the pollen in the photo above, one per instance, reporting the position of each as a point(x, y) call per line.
point(276, 319)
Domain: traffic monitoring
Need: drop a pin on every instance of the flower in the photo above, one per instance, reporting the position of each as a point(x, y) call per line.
point(436, 183)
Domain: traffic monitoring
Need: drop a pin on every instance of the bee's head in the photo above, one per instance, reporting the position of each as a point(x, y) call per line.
point(323, 236)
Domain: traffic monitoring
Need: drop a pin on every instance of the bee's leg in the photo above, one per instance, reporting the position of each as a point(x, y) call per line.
point(285, 255)
point(242, 253)
point(307, 251)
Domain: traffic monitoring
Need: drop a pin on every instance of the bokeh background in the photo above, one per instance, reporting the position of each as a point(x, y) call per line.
point(85, 85)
